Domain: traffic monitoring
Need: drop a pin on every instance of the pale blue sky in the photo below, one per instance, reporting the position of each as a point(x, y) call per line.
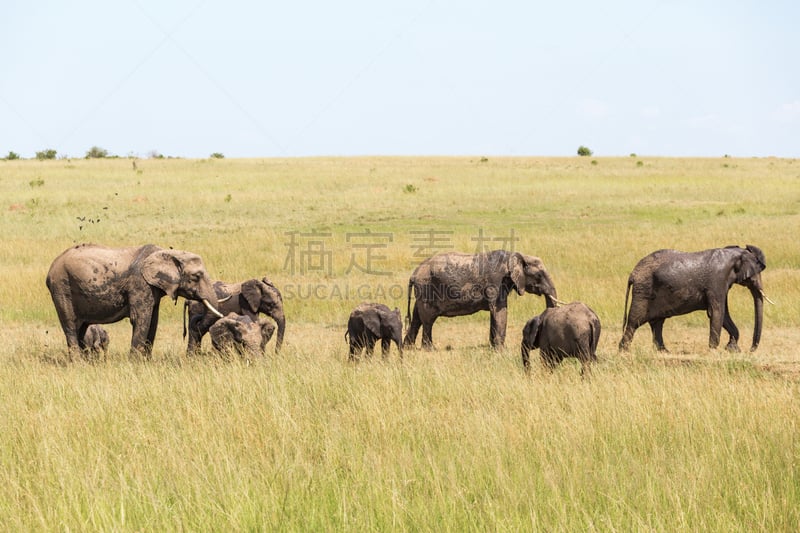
point(417, 77)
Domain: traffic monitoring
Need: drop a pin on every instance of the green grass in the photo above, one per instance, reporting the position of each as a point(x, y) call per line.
point(457, 439)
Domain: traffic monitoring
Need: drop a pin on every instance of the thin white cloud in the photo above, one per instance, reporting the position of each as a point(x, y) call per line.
point(789, 112)
point(650, 112)
point(592, 108)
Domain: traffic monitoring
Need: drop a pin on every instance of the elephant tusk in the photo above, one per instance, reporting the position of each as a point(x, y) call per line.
point(211, 308)
point(228, 297)
point(766, 297)
point(557, 301)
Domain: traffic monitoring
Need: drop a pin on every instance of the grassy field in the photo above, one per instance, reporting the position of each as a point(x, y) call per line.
point(456, 439)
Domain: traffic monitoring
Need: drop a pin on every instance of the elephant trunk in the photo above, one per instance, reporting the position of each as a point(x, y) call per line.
point(551, 298)
point(280, 320)
point(758, 303)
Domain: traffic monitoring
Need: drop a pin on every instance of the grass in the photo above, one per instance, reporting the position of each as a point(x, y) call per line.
point(458, 439)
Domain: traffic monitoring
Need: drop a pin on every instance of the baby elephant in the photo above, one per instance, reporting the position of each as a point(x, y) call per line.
point(241, 333)
point(369, 322)
point(571, 330)
point(95, 340)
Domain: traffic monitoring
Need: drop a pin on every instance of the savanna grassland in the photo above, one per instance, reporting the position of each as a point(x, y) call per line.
point(451, 440)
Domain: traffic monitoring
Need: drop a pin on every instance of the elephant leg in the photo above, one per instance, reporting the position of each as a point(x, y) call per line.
point(497, 327)
point(427, 334)
point(196, 332)
point(657, 328)
point(82, 337)
point(370, 345)
point(353, 348)
point(144, 325)
point(549, 359)
point(717, 317)
point(526, 357)
point(636, 318)
point(386, 344)
point(413, 328)
point(733, 331)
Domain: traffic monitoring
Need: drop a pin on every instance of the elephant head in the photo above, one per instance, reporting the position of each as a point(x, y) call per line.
point(385, 324)
point(527, 274)
point(262, 296)
point(179, 273)
point(240, 333)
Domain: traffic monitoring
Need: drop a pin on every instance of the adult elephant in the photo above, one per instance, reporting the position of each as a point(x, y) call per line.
point(93, 284)
point(247, 298)
point(456, 284)
point(668, 283)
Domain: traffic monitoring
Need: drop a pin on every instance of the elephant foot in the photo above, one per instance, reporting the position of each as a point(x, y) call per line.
point(733, 347)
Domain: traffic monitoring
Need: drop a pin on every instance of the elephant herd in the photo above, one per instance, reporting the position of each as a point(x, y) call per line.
point(92, 285)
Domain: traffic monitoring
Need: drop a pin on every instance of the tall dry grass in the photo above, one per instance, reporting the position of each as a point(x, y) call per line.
point(450, 440)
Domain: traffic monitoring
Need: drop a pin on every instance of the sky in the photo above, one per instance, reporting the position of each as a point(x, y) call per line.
point(417, 77)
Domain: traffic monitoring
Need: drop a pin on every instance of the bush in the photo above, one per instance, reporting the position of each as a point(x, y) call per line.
point(217, 155)
point(95, 152)
point(584, 151)
point(12, 156)
point(46, 154)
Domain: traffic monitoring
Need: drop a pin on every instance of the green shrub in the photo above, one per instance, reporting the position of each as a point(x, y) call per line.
point(11, 156)
point(95, 152)
point(46, 154)
point(217, 155)
point(583, 151)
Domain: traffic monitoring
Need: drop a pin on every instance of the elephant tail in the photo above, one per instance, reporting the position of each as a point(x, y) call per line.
point(408, 303)
point(625, 310)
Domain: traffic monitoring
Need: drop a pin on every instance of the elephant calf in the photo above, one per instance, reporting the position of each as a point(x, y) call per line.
point(369, 322)
point(571, 330)
point(95, 340)
point(241, 333)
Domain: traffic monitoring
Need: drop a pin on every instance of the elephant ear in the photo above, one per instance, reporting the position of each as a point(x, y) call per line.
point(372, 321)
point(516, 270)
point(751, 262)
point(163, 269)
point(251, 292)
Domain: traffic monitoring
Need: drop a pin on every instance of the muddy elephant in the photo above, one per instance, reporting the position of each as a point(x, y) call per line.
point(668, 283)
point(95, 340)
point(370, 322)
point(570, 330)
point(242, 334)
point(93, 284)
point(248, 298)
point(456, 284)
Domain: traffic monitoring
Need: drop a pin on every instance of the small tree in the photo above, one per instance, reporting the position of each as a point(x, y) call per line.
point(583, 151)
point(12, 156)
point(95, 152)
point(46, 154)
point(218, 155)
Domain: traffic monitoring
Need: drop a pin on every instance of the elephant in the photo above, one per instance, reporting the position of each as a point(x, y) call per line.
point(245, 298)
point(241, 333)
point(570, 330)
point(95, 340)
point(455, 284)
point(372, 321)
point(94, 284)
point(669, 282)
